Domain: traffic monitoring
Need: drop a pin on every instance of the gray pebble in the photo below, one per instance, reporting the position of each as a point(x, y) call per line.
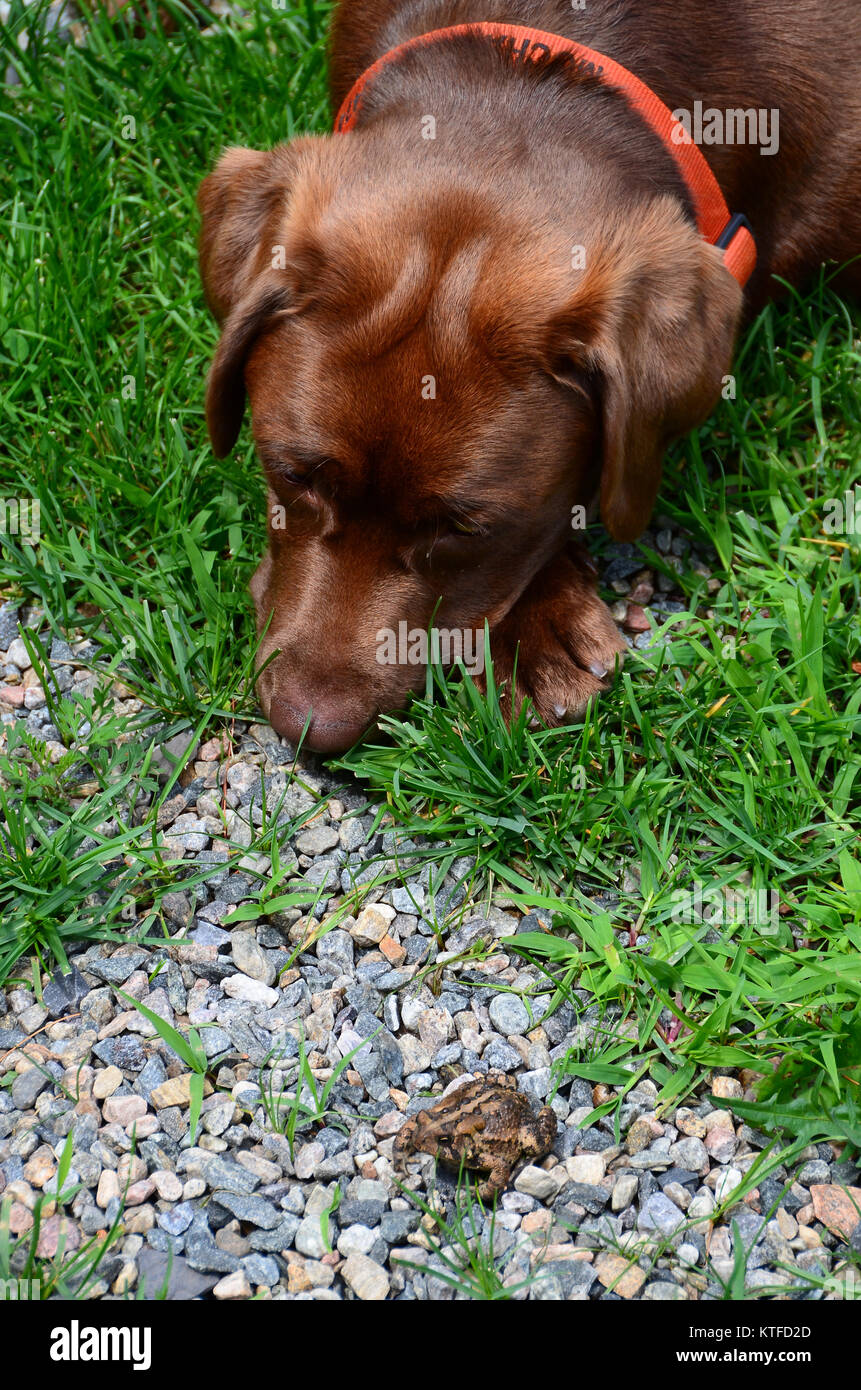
point(535, 1084)
point(261, 1270)
point(207, 934)
point(9, 613)
point(588, 1195)
point(250, 958)
point(202, 1253)
point(280, 1237)
point(395, 1226)
point(662, 1291)
point(689, 1153)
point(336, 948)
point(361, 1213)
point(659, 1213)
point(309, 1237)
point(176, 1220)
point(64, 992)
point(156, 1272)
point(508, 1014)
point(500, 1056)
point(153, 1074)
point(410, 900)
point(224, 1174)
point(814, 1172)
point(115, 970)
point(255, 1210)
point(317, 840)
point(27, 1086)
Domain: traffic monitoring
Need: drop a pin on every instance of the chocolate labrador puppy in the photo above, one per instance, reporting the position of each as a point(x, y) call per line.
point(487, 302)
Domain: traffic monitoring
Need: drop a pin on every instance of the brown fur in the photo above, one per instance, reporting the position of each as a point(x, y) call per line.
point(405, 258)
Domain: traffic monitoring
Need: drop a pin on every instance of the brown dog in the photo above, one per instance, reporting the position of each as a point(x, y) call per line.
point(487, 305)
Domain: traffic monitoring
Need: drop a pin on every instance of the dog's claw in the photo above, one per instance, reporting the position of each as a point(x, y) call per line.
point(598, 671)
point(560, 711)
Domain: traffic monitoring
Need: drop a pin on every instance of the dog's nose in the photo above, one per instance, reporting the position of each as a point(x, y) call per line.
point(332, 728)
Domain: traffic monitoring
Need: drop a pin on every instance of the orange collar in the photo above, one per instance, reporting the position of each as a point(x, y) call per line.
point(731, 234)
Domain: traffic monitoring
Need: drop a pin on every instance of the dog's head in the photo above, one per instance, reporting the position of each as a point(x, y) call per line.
point(437, 374)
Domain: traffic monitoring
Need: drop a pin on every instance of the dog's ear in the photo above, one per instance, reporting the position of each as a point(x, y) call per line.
point(268, 298)
point(654, 323)
point(235, 201)
point(258, 261)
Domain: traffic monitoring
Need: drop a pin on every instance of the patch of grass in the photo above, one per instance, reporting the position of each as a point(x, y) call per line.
point(107, 349)
point(464, 1248)
point(789, 1015)
point(454, 770)
point(69, 864)
point(291, 1111)
point(77, 860)
point(189, 1050)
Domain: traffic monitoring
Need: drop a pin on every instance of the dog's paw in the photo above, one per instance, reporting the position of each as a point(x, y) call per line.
point(566, 642)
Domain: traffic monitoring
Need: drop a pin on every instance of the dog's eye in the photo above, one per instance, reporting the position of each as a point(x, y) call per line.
point(465, 528)
point(289, 475)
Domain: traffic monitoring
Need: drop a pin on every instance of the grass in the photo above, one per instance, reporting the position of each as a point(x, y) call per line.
point(289, 1112)
point(76, 859)
point(65, 871)
point(725, 761)
point(189, 1050)
point(463, 1247)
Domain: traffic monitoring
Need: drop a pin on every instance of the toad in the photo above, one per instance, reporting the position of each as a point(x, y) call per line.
point(486, 1124)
